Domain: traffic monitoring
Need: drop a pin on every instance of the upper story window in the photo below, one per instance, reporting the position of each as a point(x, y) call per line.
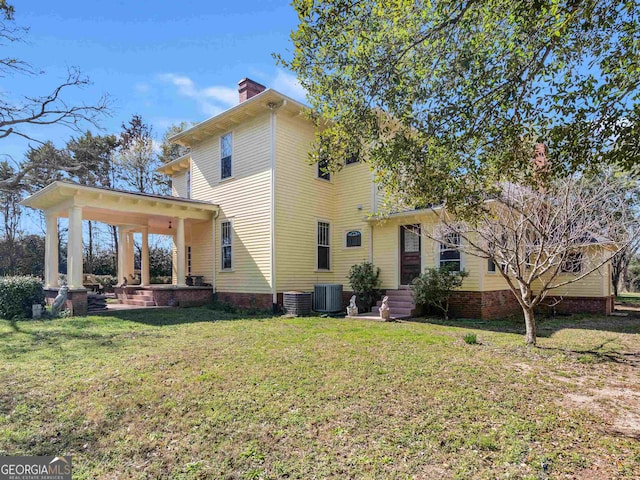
point(351, 159)
point(354, 238)
point(226, 243)
point(324, 246)
point(449, 253)
point(189, 183)
point(226, 148)
point(323, 173)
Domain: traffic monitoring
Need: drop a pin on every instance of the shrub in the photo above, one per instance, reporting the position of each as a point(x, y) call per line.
point(107, 282)
point(435, 286)
point(18, 294)
point(471, 339)
point(364, 279)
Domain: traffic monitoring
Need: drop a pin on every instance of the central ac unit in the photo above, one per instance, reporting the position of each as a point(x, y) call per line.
point(327, 297)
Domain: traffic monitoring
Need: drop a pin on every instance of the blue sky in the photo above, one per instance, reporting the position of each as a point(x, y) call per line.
point(167, 61)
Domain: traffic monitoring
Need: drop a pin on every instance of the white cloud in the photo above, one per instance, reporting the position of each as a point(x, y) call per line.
point(288, 84)
point(211, 100)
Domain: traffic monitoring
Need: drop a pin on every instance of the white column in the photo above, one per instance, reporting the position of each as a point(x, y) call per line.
point(180, 253)
point(122, 238)
point(144, 258)
point(130, 256)
point(74, 254)
point(51, 252)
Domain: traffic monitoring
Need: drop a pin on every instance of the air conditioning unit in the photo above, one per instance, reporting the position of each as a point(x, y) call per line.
point(327, 297)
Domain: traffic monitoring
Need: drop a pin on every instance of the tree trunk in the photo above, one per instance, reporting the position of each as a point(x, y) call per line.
point(530, 325)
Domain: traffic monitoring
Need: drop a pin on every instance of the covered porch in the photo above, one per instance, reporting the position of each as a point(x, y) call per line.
point(131, 213)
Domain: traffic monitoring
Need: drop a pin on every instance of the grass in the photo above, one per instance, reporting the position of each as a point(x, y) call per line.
point(197, 393)
point(629, 298)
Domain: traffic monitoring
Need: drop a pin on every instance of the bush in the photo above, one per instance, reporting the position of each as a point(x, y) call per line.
point(18, 294)
point(435, 286)
point(364, 279)
point(107, 282)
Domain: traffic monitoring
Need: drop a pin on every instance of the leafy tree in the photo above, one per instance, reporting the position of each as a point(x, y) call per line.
point(168, 150)
point(19, 116)
point(137, 161)
point(444, 98)
point(435, 286)
point(93, 155)
point(10, 213)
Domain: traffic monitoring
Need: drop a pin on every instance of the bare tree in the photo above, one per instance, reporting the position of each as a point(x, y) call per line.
point(17, 117)
point(543, 239)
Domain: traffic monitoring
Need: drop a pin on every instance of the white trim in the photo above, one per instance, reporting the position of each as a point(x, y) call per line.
point(318, 221)
point(344, 238)
point(220, 155)
point(231, 222)
point(213, 239)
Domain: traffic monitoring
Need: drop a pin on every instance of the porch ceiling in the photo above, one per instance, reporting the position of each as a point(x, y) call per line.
point(118, 207)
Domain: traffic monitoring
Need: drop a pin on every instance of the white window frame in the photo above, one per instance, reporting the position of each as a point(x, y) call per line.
point(440, 248)
point(223, 245)
point(229, 134)
point(188, 180)
point(344, 236)
point(318, 244)
point(319, 172)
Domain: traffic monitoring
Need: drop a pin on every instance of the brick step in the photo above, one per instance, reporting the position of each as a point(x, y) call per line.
point(148, 298)
point(141, 303)
point(399, 293)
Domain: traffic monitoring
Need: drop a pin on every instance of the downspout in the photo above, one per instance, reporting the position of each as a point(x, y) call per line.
point(274, 288)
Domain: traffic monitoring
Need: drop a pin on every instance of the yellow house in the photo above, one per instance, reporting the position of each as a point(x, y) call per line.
point(253, 219)
point(286, 225)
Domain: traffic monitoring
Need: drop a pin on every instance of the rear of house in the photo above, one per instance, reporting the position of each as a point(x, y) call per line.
point(284, 224)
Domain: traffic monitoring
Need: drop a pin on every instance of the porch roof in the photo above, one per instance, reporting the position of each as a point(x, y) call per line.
point(119, 207)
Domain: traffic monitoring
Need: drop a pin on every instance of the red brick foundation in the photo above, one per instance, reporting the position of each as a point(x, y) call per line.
point(484, 305)
point(76, 300)
point(262, 301)
point(168, 296)
point(503, 303)
point(597, 305)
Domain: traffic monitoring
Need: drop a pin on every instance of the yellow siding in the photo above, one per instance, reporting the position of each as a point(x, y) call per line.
point(353, 204)
point(301, 199)
point(201, 242)
point(244, 198)
point(179, 185)
point(595, 284)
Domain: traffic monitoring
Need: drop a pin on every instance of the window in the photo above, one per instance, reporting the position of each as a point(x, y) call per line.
point(189, 260)
point(226, 245)
point(189, 183)
point(572, 263)
point(323, 246)
point(323, 173)
point(354, 238)
point(351, 159)
point(449, 253)
point(225, 156)
point(491, 266)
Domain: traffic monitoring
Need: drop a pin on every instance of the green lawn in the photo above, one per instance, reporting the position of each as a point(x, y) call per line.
point(197, 393)
point(629, 298)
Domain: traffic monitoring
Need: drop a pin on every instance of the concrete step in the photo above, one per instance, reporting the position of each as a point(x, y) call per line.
point(396, 311)
point(398, 303)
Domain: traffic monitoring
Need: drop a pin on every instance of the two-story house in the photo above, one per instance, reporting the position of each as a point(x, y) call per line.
point(285, 224)
point(251, 218)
